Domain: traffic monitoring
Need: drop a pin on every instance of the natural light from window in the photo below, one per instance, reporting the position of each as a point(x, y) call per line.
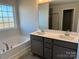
point(6, 16)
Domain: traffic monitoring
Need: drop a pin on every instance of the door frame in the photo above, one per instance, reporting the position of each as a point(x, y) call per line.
point(72, 18)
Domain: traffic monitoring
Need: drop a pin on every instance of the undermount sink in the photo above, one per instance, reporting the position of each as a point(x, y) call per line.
point(66, 37)
point(41, 33)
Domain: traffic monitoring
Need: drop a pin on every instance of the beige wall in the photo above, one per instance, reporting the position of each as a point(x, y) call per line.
point(28, 13)
point(26, 20)
point(59, 9)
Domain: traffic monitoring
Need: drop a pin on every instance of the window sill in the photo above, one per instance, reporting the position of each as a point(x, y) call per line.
point(7, 29)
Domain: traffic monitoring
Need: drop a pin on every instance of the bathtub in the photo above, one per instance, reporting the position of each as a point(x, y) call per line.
point(17, 47)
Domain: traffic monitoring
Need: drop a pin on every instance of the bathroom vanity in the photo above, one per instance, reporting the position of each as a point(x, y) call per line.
point(51, 45)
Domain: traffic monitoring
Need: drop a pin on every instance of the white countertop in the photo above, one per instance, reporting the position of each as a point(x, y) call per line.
point(59, 35)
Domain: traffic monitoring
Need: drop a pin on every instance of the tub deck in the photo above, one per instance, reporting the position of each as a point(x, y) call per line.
point(17, 45)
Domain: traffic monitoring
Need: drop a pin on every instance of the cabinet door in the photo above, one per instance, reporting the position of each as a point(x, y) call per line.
point(63, 53)
point(47, 48)
point(47, 53)
point(37, 46)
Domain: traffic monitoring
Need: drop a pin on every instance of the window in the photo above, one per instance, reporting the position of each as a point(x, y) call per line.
point(6, 16)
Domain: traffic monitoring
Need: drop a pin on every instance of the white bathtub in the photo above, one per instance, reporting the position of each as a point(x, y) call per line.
point(17, 47)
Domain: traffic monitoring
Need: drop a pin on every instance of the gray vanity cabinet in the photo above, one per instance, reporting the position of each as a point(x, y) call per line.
point(53, 48)
point(63, 53)
point(37, 45)
point(64, 50)
point(47, 48)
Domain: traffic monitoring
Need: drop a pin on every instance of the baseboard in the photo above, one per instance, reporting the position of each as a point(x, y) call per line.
point(19, 54)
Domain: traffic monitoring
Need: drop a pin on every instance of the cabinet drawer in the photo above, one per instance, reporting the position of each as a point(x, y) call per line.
point(36, 43)
point(33, 37)
point(65, 44)
point(48, 40)
point(46, 45)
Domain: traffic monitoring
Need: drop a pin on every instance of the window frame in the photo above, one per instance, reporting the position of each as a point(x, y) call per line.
point(14, 17)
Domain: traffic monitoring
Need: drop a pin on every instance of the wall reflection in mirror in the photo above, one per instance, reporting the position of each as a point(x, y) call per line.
point(59, 15)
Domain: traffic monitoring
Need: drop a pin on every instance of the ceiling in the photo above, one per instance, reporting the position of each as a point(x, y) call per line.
point(64, 1)
point(58, 1)
point(42, 1)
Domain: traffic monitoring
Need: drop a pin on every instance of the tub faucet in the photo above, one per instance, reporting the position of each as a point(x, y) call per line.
point(7, 47)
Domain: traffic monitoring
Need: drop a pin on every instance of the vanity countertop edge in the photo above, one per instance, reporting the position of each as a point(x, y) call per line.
point(55, 35)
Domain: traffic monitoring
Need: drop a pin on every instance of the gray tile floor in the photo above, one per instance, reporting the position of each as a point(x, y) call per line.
point(29, 56)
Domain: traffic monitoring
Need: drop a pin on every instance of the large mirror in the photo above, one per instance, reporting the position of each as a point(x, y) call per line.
point(59, 15)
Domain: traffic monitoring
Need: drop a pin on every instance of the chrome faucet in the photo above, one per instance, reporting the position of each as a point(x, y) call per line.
point(7, 47)
point(67, 33)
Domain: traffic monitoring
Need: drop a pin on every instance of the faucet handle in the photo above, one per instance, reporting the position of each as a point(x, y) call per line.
point(3, 50)
point(7, 46)
point(11, 46)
